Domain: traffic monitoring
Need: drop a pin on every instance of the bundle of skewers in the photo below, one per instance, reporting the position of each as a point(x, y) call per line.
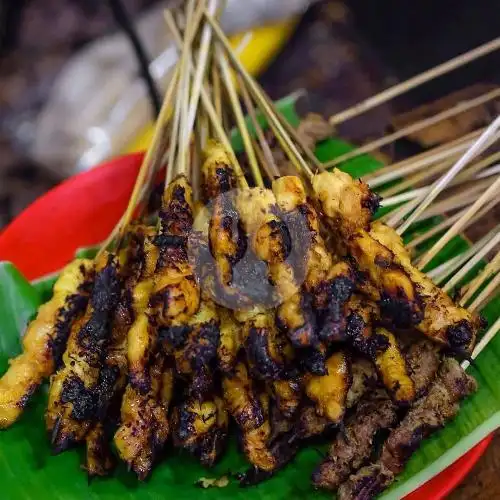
point(254, 291)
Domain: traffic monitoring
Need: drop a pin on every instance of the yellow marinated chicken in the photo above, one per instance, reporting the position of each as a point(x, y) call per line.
point(241, 401)
point(443, 321)
point(288, 395)
point(329, 392)
point(144, 426)
point(393, 370)
point(230, 341)
point(44, 340)
point(99, 460)
point(200, 427)
point(348, 203)
point(75, 390)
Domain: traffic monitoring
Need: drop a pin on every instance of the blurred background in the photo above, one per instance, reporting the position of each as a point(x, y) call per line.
point(71, 94)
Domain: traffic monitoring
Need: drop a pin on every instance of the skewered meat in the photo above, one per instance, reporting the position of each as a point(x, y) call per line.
point(200, 427)
point(443, 321)
point(99, 460)
point(217, 172)
point(329, 392)
point(230, 341)
point(349, 203)
point(353, 445)
point(241, 400)
point(423, 360)
point(288, 394)
point(44, 341)
point(428, 414)
point(364, 379)
point(144, 427)
point(75, 396)
point(393, 370)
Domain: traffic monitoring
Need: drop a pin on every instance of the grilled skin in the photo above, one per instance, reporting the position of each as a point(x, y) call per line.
point(348, 203)
point(77, 389)
point(430, 413)
point(99, 460)
point(200, 427)
point(329, 392)
point(241, 400)
point(230, 341)
point(44, 340)
point(353, 446)
point(443, 321)
point(288, 395)
point(393, 370)
point(144, 426)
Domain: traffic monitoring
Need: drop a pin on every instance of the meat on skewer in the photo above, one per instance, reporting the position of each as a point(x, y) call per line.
point(45, 339)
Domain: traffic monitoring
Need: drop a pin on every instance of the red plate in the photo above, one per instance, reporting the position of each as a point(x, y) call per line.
point(81, 212)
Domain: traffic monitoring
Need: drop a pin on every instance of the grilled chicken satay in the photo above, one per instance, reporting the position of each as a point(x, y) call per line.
point(199, 425)
point(443, 321)
point(430, 413)
point(144, 425)
point(241, 400)
point(77, 389)
point(329, 392)
point(393, 369)
point(45, 340)
point(99, 459)
point(288, 395)
point(353, 446)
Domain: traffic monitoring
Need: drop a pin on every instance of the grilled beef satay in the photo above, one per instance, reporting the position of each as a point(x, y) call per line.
point(144, 425)
point(443, 321)
point(77, 389)
point(241, 400)
point(45, 340)
point(329, 392)
point(423, 358)
point(430, 413)
point(353, 445)
point(199, 425)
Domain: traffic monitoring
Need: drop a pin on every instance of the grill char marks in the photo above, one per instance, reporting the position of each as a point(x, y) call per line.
point(74, 400)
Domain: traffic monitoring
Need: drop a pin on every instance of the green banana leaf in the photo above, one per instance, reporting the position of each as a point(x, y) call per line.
point(28, 470)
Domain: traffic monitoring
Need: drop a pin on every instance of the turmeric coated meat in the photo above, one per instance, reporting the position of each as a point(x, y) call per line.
point(44, 341)
point(75, 396)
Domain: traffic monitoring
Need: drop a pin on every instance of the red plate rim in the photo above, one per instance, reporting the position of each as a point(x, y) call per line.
point(45, 236)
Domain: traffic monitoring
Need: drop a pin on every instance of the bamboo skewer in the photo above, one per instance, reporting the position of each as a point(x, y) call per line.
point(459, 108)
point(485, 295)
point(473, 261)
point(457, 227)
point(475, 149)
point(469, 290)
point(485, 340)
point(449, 221)
point(415, 81)
point(422, 160)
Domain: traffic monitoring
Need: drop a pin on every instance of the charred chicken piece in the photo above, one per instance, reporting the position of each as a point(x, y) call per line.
point(241, 400)
point(364, 379)
point(75, 396)
point(443, 321)
point(45, 339)
point(393, 370)
point(329, 392)
point(217, 172)
point(287, 394)
point(230, 341)
point(99, 460)
point(353, 446)
point(200, 427)
point(430, 413)
point(175, 295)
point(195, 358)
point(391, 286)
point(348, 203)
point(144, 427)
point(265, 456)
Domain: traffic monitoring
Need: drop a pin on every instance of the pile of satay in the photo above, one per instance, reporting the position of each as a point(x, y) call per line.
point(256, 296)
